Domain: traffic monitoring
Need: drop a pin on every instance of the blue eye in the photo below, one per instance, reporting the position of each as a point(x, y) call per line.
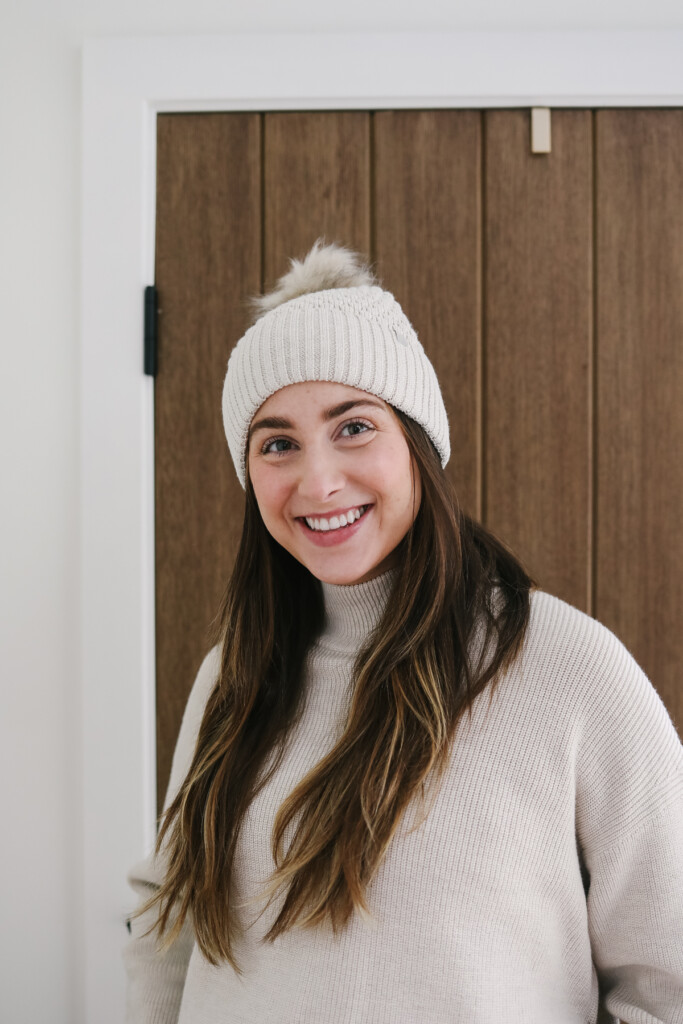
point(266, 449)
point(358, 423)
point(275, 440)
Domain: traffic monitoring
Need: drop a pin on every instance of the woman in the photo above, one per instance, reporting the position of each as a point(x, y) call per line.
point(409, 787)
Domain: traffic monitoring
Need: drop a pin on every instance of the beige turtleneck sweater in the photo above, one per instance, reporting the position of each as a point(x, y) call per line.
point(480, 915)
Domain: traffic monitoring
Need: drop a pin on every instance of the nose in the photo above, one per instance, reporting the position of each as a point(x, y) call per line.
point(320, 474)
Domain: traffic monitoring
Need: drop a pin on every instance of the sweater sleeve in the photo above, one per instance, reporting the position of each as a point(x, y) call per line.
point(629, 818)
point(155, 980)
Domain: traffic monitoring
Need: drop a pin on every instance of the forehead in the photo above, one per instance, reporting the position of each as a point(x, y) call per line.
point(313, 395)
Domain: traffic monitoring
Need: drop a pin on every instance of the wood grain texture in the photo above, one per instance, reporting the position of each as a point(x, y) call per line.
point(317, 183)
point(639, 584)
point(489, 249)
point(208, 258)
point(538, 337)
point(427, 232)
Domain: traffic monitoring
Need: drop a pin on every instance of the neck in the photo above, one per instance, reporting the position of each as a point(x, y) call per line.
point(352, 612)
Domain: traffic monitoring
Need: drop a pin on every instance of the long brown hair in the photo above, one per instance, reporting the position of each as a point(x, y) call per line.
point(413, 680)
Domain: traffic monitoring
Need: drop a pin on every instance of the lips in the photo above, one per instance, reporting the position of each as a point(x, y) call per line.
point(330, 538)
point(335, 511)
point(336, 521)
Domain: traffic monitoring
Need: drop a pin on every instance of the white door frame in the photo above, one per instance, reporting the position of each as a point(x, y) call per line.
point(126, 82)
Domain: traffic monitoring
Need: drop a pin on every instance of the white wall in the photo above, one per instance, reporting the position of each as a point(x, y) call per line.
point(40, 43)
point(39, 268)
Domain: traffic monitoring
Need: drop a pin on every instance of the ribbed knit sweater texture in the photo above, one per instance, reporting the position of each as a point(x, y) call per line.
point(481, 915)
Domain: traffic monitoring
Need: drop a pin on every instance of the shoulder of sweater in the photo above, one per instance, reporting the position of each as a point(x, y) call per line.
point(627, 752)
point(593, 673)
point(204, 682)
point(203, 685)
point(559, 630)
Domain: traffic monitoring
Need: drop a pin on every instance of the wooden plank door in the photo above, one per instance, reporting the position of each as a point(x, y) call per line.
point(539, 292)
point(547, 290)
point(208, 257)
point(639, 390)
point(427, 213)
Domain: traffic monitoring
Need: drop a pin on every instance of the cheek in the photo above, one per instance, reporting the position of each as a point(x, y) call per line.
point(269, 493)
point(394, 475)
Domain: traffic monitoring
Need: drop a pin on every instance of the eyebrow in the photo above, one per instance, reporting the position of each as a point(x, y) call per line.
point(279, 423)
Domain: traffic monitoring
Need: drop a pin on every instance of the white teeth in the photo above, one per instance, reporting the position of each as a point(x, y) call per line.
point(336, 521)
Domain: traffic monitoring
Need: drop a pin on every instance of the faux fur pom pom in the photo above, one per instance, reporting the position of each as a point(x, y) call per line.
point(325, 266)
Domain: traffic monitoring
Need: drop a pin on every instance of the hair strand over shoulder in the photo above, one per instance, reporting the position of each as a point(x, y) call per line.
point(455, 621)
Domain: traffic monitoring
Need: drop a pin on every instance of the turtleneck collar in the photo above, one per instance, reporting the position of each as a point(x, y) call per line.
point(351, 612)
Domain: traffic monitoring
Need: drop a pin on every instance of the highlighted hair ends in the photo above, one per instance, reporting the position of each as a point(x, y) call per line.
point(455, 621)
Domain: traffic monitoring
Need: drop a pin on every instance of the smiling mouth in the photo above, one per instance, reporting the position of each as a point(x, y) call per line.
point(333, 529)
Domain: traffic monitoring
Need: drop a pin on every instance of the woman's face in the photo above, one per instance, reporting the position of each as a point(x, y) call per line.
point(319, 450)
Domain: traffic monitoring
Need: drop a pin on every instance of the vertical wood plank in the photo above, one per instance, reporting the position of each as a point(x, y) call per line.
point(639, 587)
point(427, 218)
point(317, 183)
point(538, 338)
point(208, 257)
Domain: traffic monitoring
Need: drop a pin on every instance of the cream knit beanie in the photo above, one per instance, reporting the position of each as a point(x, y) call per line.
point(328, 319)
